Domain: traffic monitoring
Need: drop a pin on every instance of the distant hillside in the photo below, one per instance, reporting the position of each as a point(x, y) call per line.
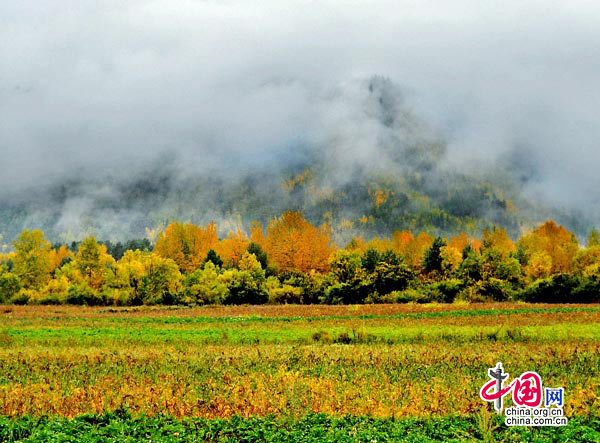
point(368, 172)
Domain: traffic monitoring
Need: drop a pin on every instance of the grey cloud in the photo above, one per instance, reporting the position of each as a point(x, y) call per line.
point(96, 91)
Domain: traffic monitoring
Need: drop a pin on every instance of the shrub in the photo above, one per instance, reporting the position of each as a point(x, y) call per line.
point(22, 297)
point(353, 337)
point(119, 296)
point(557, 289)
point(355, 292)
point(470, 270)
point(370, 259)
point(246, 285)
point(243, 288)
point(162, 282)
point(588, 291)
point(509, 270)
point(497, 289)
point(471, 294)
point(311, 283)
point(55, 292)
point(283, 293)
point(406, 296)
point(261, 256)
point(10, 285)
point(83, 294)
point(388, 277)
point(444, 291)
point(350, 284)
point(48, 299)
point(203, 286)
point(563, 288)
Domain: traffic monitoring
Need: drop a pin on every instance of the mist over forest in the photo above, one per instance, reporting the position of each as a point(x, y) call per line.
point(117, 119)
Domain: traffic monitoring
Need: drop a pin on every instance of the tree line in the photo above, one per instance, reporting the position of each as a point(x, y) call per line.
point(293, 261)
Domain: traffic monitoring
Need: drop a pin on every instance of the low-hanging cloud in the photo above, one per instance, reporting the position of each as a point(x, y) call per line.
point(94, 94)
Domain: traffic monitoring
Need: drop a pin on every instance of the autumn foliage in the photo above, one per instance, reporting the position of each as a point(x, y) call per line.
point(186, 244)
point(551, 248)
point(292, 243)
point(295, 261)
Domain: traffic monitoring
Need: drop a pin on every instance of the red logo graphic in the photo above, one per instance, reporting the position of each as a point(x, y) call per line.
point(526, 389)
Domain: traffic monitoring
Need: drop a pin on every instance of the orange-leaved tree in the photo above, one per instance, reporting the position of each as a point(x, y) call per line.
point(233, 247)
point(187, 244)
point(498, 240)
point(415, 251)
point(461, 241)
point(401, 240)
point(292, 243)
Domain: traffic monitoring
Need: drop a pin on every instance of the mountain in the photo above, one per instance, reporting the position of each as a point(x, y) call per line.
point(364, 162)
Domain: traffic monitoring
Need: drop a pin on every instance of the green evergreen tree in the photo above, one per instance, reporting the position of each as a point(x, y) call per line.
point(261, 256)
point(433, 256)
point(214, 258)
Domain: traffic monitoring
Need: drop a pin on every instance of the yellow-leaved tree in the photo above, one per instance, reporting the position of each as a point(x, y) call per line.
point(357, 244)
point(549, 246)
point(146, 278)
point(587, 261)
point(32, 259)
point(93, 262)
point(380, 244)
point(58, 255)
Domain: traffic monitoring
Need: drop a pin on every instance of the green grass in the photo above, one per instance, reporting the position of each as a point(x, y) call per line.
point(282, 332)
point(122, 428)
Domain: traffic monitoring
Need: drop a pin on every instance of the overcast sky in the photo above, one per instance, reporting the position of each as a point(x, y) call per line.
point(99, 84)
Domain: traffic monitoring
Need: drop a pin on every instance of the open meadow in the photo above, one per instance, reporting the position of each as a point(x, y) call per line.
point(289, 372)
point(299, 221)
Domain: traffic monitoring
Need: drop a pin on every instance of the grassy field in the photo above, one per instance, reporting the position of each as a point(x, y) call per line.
point(288, 373)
